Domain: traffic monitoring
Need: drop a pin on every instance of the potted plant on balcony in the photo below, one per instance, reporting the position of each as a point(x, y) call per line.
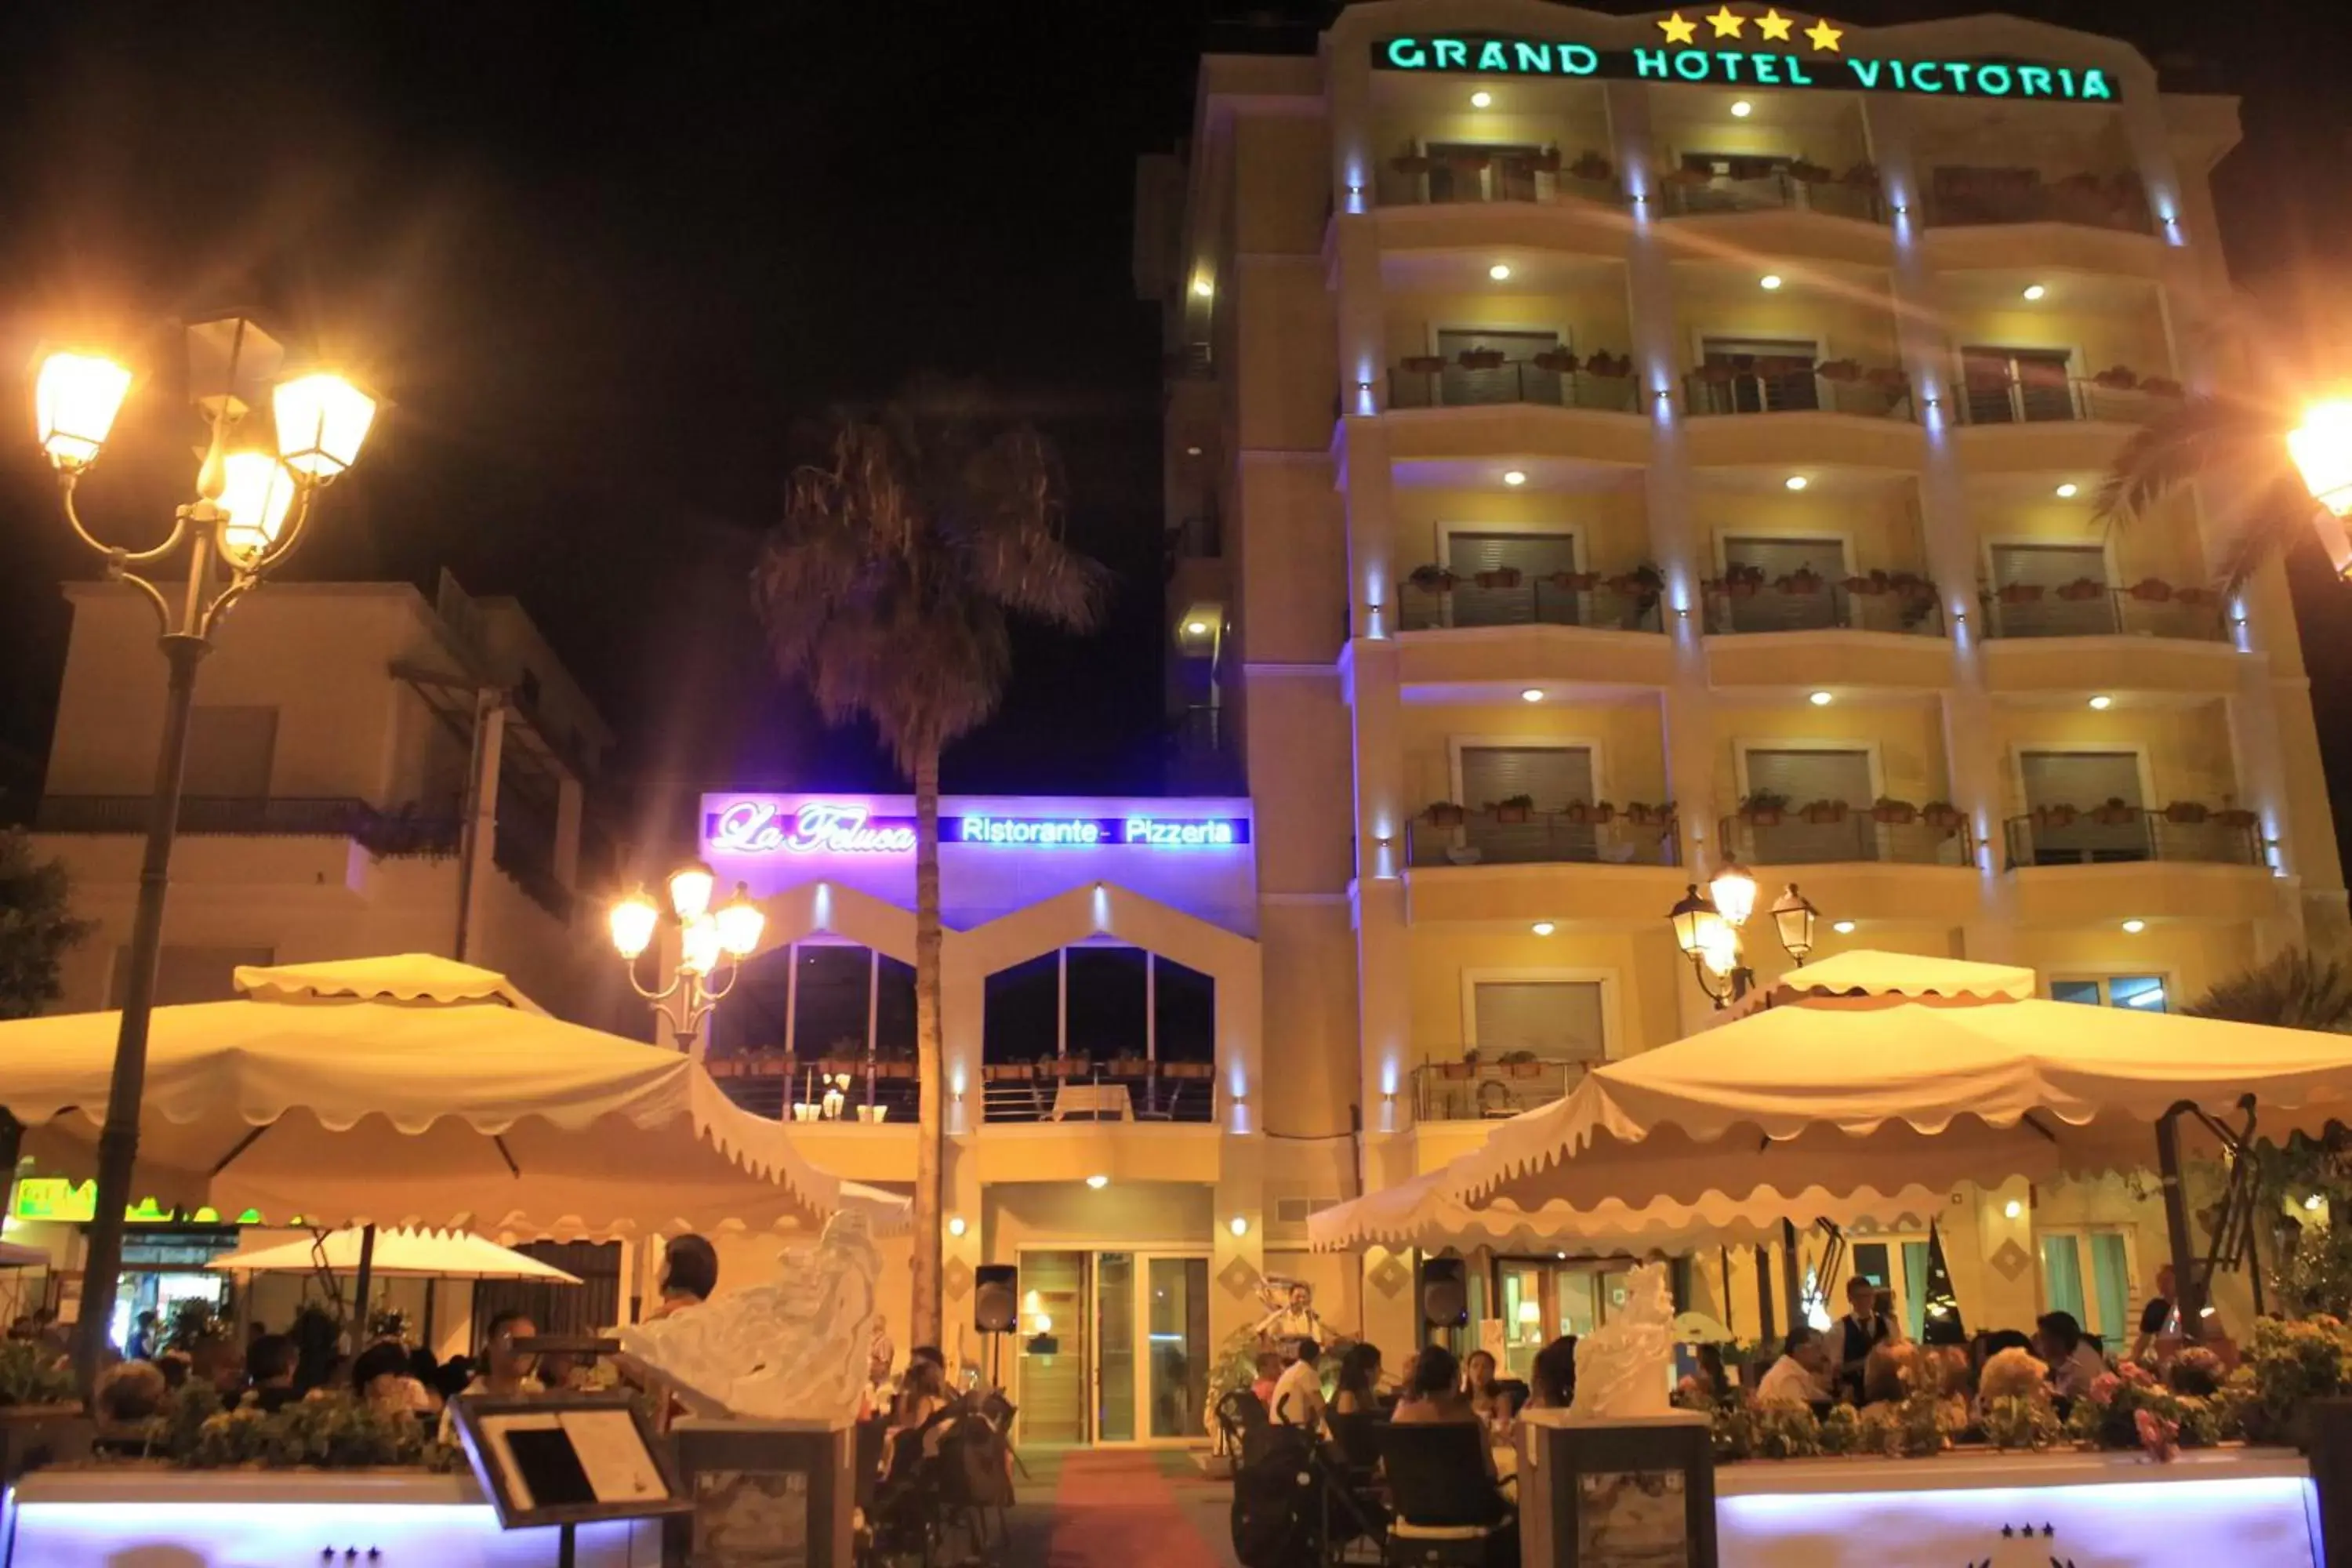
point(1910, 586)
point(1874, 585)
point(1825, 813)
point(1558, 361)
point(1007, 1072)
point(1742, 580)
point(2163, 386)
point(1894, 813)
point(1574, 582)
point(2020, 594)
point(1422, 364)
point(1763, 809)
point(2236, 815)
point(894, 1067)
point(1431, 578)
point(1809, 173)
point(2188, 812)
point(1445, 813)
point(2117, 378)
point(1616, 367)
point(1481, 359)
point(1643, 582)
point(1804, 581)
point(1520, 1064)
point(1412, 163)
point(1499, 577)
point(1641, 814)
point(2151, 591)
point(1513, 810)
point(1842, 370)
point(1129, 1064)
point(1467, 1068)
point(1941, 815)
point(2114, 812)
point(1590, 165)
point(2080, 589)
point(2055, 816)
point(1598, 814)
point(1193, 1070)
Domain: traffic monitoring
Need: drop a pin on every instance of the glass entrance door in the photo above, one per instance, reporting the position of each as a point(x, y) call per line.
point(1115, 1359)
point(1177, 1378)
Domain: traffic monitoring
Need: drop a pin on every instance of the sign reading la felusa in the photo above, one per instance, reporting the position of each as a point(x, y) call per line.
point(1489, 54)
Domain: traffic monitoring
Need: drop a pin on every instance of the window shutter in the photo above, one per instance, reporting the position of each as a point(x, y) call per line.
point(1805, 776)
point(2083, 779)
point(1758, 392)
point(1513, 381)
point(2050, 567)
point(1771, 610)
point(1552, 777)
point(1558, 1020)
point(1533, 556)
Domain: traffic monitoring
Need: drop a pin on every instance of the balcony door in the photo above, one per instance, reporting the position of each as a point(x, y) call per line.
point(1551, 777)
point(1508, 174)
point(1549, 1020)
point(1772, 610)
point(2050, 567)
point(1516, 380)
point(1801, 776)
point(1755, 387)
point(2017, 386)
point(2085, 781)
point(1534, 556)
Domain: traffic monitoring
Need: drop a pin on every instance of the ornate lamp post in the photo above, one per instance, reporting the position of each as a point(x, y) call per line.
point(711, 945)
point(2322, 449)
point(251, 506)
point(1707, 929)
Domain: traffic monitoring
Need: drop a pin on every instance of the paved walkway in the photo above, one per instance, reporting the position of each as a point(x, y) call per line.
point(1118, 1509)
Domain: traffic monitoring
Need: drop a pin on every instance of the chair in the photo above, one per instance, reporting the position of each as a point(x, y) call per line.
point(1355, 1507)
point(1449, 1513)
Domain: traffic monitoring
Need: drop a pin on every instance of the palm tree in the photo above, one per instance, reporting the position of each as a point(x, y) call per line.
point(886, 588)
point(2240, 443)
point(2294, 990)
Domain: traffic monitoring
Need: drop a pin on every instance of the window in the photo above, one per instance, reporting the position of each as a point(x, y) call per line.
point(1771, 610)
point(1898, 1266)
point(1801, 776)
point(2017, 386)
point(1763, 373)
point(229, 751)
point(1513, 381)
point(2084, 781)
point(1556, 1020)
point(1508, 174)
point(189, 974)
point(1020, 1011)
point(1534, 556)
point(2148, 993)
point(2050, 567)
point(1184, 1011)
point(2088, 1274)
point(831, 989)
point(1107, 1010)
point(1551, 778)
point(1103, 999)
point(820, 1000)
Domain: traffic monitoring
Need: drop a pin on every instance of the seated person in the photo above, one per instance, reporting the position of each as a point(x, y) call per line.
point(1269, 1373)
point(1356, 1392)
point(1800, 1374)
point(130, 1393)
point(1435, 1396)
point(1551, 1383)
point(1479, 1383)
point(1889, 1373)
point(269, 1362)
point(2058, 1340)
point(1298, 1393)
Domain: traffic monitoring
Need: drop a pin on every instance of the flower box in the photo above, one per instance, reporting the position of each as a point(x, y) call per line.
point(1803, 581)
point(1762, 810)
point(2237, 817)
point(1513, 812)
point(2021, 592)
point(2151, 591)
point(1613, 366)
point(1590, 165)
point(1845, 369)
point(1188, 1071)
point(1558, 361)
point(1007, 1072)
point(1130, 1066)
point(2117, 378)
point(2186, 813)
point(1894, 813)
point(1941, 813)
point(1456, 1070)
point(2115, 813)
point(1481, 359)
point(1574, 582)
point(1869, 587)
point(2056, 816)
point(2081, 589)
point(1822, 813)
point(1596, 815)
point(1432, 579)
point(1523, 1069)
point(1642, 815)
point(1423, 364)
point(1445, 813)
point(897, 1071)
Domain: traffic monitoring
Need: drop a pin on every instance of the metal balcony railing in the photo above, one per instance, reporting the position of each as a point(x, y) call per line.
point(773, 1084)
point(1489, 1091)
point(1873, 606)
point(2097, 609)
point(400, 832)
point(1504, 835)
point(1619, 603)
point(1720, 389)
point(1456, 386)
point(1681, 195)
point(2098, 837)
point(2031, 396)
point(2116, 201)
point(1859, 836)
point(1415, 180)
point(1081, 1088)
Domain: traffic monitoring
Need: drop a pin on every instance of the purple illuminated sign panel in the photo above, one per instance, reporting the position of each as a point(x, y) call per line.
point(834, 827)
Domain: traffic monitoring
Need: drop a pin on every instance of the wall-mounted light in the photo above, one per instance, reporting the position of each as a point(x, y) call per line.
point(1203, 288)
point(1238, 1225)
point(956, 1224)
point(1741, 109)
point(2013, 1208)
point(1770, 280)
point(1097, 1181)
point(1543, 928)
point(2134, 927)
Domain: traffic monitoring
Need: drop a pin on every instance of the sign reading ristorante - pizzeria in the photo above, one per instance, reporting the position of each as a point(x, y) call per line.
point(1728, 53)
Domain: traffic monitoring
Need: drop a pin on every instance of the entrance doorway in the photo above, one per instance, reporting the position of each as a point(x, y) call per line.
point(1113, 1347)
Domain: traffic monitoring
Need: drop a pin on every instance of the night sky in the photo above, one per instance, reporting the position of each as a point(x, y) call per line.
point(607, 259)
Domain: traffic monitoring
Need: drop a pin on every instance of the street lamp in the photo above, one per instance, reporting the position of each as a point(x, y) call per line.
point(252, 500)
point(1709, 936)
point(2322, 449)
point(711, 944)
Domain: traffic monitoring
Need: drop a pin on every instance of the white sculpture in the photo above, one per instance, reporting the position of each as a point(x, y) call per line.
point(796, 1350)
point(1624, 1368)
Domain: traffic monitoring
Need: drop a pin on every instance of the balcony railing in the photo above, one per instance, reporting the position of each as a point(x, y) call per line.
point(2117, 201)
point(1489, 1091)
point(1504, 835)
point(2094, 609)
point(1904, 836)
point(401, 832)
point(1079, 1087)
point(1415, 180)
point(1855, 604)
point(2109, 836)
point(773, 1084)
point(1732, 389)
point(1623, 602)
point(1413, 385)
point(2050, 397)
point(1681, 196)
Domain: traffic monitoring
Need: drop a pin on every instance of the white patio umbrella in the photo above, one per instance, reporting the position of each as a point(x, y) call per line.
point(414, 1091)
point(393, 1254)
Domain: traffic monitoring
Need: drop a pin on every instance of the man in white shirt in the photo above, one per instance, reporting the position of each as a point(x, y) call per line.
point(1297, 1320)
point(1299, 1392)
point(2073, 1362)
point(1801, 1375)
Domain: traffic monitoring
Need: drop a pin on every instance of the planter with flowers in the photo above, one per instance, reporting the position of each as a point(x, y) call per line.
point(1445, 813)
point(2114, 812)
point(1941, 813)
point(1825, 813)
point(2151, 591)
point(2236, 815)
point(1422, 364)
point(1558, 361)
point(2081, 589)
point(1432, 579)
point(1641, 814)
point(1598, 814)
point(1763, 809)
point(1574, 582)
point(2055, 816)
point(1499, 577)
point(2021, 592)
point(1893, 813)
point(1513, 810)
point(1742, 581)
point(1804, 581)
point(2186, 813)
point(1481, 359)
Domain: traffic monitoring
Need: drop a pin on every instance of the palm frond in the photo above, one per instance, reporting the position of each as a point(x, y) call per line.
point(2294, 990)
point(2201, 437)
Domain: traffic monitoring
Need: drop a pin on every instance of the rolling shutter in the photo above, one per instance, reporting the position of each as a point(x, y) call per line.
point(1553, 777)
point(2050, 567)
point(2007, 386)
point(1513, 381)
point(1805, 776)
point(1533, 556)
point(1771, 610)
point(1558, 1020)
point(2083, 779)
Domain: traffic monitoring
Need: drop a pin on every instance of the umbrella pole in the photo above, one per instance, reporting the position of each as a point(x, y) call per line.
point(1764, 1292)
point(367, 1276)
point(1793, 1286)
point(2187, 1288)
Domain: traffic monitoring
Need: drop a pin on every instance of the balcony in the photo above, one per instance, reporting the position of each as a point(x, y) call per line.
point(2117, 833)
point(1967, 197)
point(1476, 178)
point(2034, 395)
point(2088, 608)
point(1687, 192)
point(1077, 1088)
point(1753, 384)
point(1902, 604)
point(773, 1084)
point(1489, 1091)
point(1434, 599)
point(403, 832)
point(1200, 537)
point(1559, 379)
point(1507, 835)
point(1831, 833)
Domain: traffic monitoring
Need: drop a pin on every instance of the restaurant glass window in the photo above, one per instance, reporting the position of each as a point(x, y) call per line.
point(832, 987)
point(1021, 1010)
point(2087, 1273)
point(2144, 992)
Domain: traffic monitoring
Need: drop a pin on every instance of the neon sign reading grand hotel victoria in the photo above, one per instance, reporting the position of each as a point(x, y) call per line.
point(839, 827)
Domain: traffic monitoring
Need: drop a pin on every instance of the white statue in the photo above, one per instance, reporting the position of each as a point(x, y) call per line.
point(796, 1350)
point(1624, 1368)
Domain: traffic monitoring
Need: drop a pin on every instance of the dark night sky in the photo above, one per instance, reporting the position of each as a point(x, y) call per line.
point(605, 258)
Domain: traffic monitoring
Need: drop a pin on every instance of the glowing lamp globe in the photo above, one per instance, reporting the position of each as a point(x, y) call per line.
point(256, 492)
point(697, 945)
point(2322, 449)
point(1794, 914)
point(1697, 924)
point(690, 887)
point(1733, 893)
point(321, 421)
point(74, 400)
point(740, 924)
point(633, 922)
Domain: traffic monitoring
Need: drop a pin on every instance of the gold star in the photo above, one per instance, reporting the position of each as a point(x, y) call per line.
point(1824, 36)
point(1725, 24)
point(1676, 29)
point(1774, 27)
